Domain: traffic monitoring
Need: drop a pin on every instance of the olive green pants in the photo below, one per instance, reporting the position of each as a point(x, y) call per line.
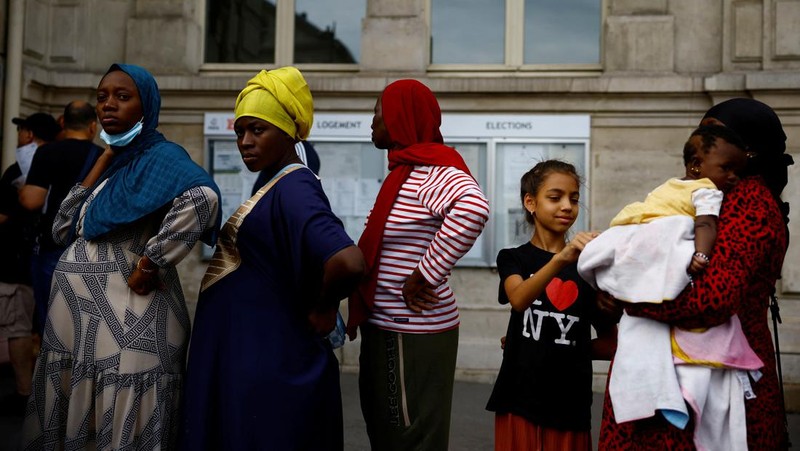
point(406, 388)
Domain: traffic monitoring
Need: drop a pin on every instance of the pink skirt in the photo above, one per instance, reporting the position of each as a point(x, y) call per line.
point(514, 433)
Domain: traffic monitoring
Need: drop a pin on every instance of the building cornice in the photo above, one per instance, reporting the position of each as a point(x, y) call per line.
point(608, 97)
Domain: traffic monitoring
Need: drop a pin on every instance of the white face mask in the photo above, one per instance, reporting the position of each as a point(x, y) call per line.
point(122, 139)
point(24, 156)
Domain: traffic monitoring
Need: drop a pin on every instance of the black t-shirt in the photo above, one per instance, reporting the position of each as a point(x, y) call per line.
point(16, 233)
point(546, 374)
point(57, 166)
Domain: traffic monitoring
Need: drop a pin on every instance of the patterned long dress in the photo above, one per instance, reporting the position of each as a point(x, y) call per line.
point(110, 371)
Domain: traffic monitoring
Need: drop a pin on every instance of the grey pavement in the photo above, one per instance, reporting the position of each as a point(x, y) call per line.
point(472, 427)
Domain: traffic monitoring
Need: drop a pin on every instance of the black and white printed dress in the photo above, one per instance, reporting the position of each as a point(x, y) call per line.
point(110, 371)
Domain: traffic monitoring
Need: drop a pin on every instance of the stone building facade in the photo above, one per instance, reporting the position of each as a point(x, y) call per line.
point(660, 64)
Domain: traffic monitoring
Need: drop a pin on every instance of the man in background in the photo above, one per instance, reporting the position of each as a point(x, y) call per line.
point(32, 132)
point(16, 243)
point(55, 169)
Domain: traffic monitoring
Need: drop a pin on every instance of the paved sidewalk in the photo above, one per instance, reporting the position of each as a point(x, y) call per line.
point(472, 427)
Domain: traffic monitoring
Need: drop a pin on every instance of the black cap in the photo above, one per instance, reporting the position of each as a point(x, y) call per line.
point(43, 125)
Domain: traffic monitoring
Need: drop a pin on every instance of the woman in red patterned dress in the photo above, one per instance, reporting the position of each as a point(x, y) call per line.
point(751, 245)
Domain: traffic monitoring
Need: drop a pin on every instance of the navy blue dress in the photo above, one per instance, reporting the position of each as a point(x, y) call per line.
point(258, 377)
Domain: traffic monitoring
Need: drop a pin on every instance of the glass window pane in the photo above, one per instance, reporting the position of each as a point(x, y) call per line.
point(514, 160)
point(328, 31)
point(474, 155)
point(468, 31)
point(240, 31)
point(351, 174)
point(562, 32)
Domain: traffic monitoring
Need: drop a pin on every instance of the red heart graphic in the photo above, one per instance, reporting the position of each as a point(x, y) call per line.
point(562, 294)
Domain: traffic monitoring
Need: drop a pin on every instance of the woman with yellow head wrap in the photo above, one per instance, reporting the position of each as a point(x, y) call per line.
point(261, 374)
point(280, 97)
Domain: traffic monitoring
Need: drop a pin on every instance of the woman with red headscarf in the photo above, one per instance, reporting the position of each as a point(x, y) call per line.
point(428, 214)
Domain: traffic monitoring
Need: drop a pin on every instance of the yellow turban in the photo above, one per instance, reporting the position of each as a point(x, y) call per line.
point(280, 97)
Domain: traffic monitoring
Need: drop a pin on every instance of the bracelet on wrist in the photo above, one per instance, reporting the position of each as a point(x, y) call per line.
point(702, 256)
point(143, 269)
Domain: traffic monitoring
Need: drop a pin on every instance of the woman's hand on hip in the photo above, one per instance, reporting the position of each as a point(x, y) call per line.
point(418, 293)
point(144, 277)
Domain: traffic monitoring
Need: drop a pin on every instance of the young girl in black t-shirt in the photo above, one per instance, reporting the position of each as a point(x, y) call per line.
point(543, 393)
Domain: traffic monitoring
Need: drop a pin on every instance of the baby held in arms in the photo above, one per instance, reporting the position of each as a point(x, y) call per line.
point(653, 246)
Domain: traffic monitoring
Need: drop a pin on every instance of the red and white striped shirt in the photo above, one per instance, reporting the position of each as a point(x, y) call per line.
point(434, 221)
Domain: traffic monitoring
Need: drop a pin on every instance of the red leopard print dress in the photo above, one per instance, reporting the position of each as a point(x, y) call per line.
point(751, 244)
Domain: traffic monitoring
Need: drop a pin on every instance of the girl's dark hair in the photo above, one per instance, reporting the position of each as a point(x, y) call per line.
point(708, 135)
point(532, 181)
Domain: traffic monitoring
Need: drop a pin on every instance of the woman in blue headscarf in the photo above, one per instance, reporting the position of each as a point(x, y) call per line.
point(111, 367)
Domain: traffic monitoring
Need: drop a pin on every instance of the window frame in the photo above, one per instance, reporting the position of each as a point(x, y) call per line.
point(514, 46)
point(284, 45)
point(571, 128)
point(457, 128)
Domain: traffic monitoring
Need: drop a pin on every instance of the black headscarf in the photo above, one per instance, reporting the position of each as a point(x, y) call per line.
point(760, 128)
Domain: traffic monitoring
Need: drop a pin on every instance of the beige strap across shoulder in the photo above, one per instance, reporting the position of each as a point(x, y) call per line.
point(226, 256)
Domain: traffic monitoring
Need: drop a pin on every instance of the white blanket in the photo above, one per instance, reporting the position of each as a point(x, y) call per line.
point(641, 262)
point(645, 380)
point(717, 400)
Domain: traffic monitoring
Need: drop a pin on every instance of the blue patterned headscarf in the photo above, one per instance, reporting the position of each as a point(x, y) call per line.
point(147, 174)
